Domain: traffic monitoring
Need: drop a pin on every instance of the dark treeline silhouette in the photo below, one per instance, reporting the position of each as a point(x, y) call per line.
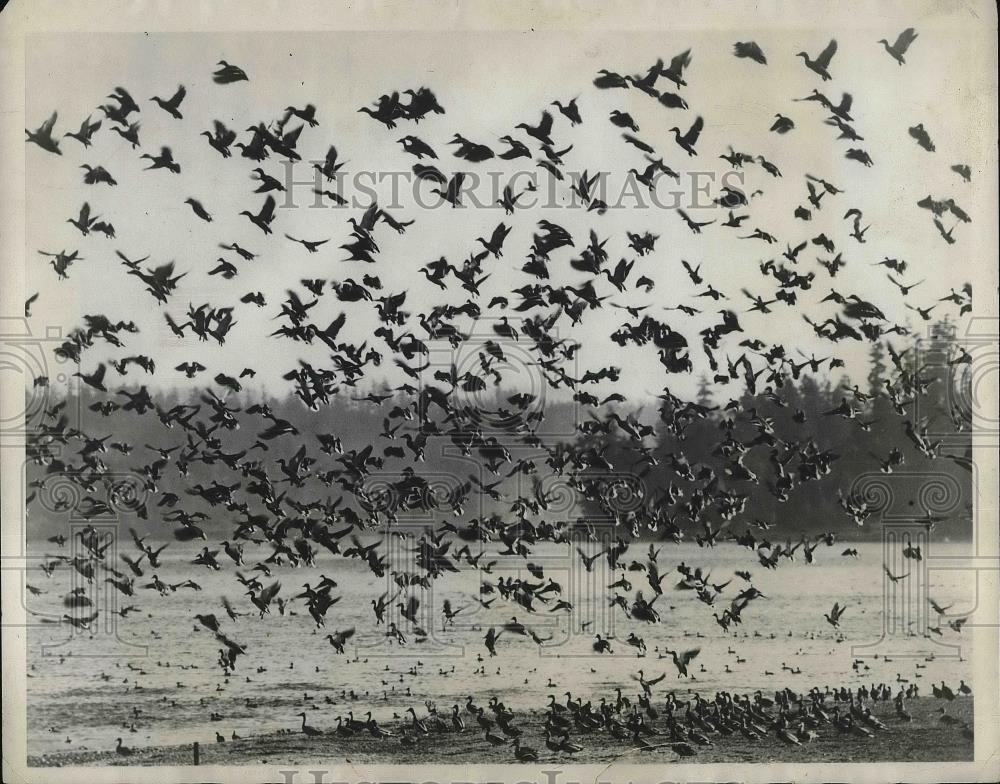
point(860, 445)
point(355, 422)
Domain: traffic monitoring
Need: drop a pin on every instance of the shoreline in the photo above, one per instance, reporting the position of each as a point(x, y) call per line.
point(925, 738)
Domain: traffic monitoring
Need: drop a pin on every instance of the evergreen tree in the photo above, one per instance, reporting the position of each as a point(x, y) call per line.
point(878, 369)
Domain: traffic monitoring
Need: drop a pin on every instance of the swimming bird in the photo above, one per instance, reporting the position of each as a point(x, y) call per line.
point(601, 644)
point(308, 730)
point(524, 753)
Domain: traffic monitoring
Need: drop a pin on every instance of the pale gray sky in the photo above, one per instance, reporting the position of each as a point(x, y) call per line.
point(489, 82)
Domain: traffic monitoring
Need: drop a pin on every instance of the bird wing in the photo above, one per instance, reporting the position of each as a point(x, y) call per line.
point(637, 142)
point(499, 234)
point(270, 592)
point(907, 37)
point(695, 130)
point(827, 54)
point(429, 173)
point(370, 217)
point(232, 645)
point(291, 138)
point(680, 62)
point(48, 125)
point(267, 211)
point(224, 134)
point(545, 126)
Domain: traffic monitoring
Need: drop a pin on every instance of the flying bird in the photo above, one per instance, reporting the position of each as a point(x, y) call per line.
point(902, 44)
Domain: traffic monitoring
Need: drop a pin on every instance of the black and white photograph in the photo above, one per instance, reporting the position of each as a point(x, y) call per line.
point(547, 393)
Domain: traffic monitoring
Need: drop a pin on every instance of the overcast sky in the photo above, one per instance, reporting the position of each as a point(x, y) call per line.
point(487, 83)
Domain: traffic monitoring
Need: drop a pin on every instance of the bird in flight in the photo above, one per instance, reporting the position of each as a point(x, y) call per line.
point(822, 62)
point(902, 44)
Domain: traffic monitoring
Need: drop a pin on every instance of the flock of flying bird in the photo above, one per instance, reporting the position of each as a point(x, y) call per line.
point(273, 503)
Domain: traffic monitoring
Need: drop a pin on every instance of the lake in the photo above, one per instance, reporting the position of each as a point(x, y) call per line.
point(161, 663)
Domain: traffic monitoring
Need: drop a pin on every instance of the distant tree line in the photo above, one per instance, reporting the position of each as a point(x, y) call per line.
point(800, 410)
